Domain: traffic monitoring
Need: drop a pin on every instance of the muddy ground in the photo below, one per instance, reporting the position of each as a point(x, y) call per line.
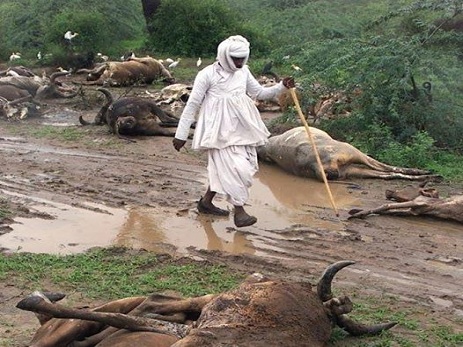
point(415, 265)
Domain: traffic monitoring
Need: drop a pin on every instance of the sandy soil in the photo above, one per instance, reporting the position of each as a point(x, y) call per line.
point(415, 265)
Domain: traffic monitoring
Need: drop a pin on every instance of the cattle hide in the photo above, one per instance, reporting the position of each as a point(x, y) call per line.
point(417, 201)
point(261, 312)
point(293, 152)
point(133, 116)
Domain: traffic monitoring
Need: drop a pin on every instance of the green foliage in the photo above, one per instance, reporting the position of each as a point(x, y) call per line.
point(29, 26)
point(417, 153)
point(196, 28)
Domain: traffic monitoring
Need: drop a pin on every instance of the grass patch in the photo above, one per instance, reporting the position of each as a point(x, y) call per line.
point(410, 331)
point(114, 273)
point(59, 133)
point(5, 212)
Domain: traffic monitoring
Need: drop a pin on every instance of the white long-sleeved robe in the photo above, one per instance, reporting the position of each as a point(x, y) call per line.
point(228, 125)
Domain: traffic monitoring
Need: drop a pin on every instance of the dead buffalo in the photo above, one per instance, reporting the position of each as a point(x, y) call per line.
point(260, 312)
point(417, 201)
point(133, 116)
point(37, 87)
point(293, 152)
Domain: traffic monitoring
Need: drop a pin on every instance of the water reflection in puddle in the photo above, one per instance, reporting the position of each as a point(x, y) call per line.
point(278, 200)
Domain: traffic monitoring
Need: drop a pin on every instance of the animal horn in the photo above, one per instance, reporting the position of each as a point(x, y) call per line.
point(324, 284)
point(356, 329)
point(54, 75)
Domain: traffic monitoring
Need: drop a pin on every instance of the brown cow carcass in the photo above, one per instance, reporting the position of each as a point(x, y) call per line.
point(260, 312)
point(293, 152)
point(133, 116)
point(126, 73)
point(417, 201)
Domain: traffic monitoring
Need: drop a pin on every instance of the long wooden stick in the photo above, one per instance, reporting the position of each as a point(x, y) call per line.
point(309, 134)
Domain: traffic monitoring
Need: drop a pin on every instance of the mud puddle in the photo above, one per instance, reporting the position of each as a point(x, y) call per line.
point(278, 200)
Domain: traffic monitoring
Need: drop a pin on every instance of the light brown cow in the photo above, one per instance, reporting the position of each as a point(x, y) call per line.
point(417, 201)
point(260, 312)
point(126, 73)
point(293, 152)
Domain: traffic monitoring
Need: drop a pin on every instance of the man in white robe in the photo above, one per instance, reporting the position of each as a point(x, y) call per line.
point(228, 126)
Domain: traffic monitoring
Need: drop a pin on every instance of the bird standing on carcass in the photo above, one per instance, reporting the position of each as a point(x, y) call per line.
point(259, 313)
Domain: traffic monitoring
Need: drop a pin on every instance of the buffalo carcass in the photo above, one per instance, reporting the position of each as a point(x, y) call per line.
point(133, 116)
point(260, 312)
point(417, 201)
point(127, 73)
point(293, 152)
point(13, 87)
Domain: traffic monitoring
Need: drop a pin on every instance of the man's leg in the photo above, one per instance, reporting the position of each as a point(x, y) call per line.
point(242, 219)
point(206, 206)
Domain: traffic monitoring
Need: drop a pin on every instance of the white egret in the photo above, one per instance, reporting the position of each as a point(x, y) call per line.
point(69, 35)
point(174, 64)
point(199, 62)
point(15, 56)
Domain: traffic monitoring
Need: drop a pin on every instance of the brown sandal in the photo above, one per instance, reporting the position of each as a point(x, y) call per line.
point(214, 210)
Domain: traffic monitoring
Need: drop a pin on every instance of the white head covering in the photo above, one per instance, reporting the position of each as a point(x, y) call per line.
point(235, 46)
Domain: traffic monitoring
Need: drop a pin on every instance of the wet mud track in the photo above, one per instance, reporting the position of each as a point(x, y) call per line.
point(418, 261)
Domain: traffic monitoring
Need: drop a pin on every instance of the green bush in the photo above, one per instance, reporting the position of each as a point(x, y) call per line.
point(195, 28)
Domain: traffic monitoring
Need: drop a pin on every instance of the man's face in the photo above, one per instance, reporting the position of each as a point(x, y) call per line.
point(239, 62)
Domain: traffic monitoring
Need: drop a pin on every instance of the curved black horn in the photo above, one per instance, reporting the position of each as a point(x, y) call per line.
point(324, 284)
point(356, 329)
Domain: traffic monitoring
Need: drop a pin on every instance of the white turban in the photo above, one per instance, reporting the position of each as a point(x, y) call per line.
point(235, 46)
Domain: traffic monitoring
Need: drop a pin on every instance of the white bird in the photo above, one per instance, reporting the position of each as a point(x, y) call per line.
point(69, 35)
point(128, 56)
point(60, 69)
point(199, 62)
point(295, 67)
point(39, 55)
point(174, 64)
point(15, 56)
point(286, 57)
point(169, 60)
point(102, 57)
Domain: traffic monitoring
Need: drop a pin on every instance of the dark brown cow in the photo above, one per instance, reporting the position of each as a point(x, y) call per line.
point(293, 152)
point(133, 116)
point(260, 312)
point(417, 201)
